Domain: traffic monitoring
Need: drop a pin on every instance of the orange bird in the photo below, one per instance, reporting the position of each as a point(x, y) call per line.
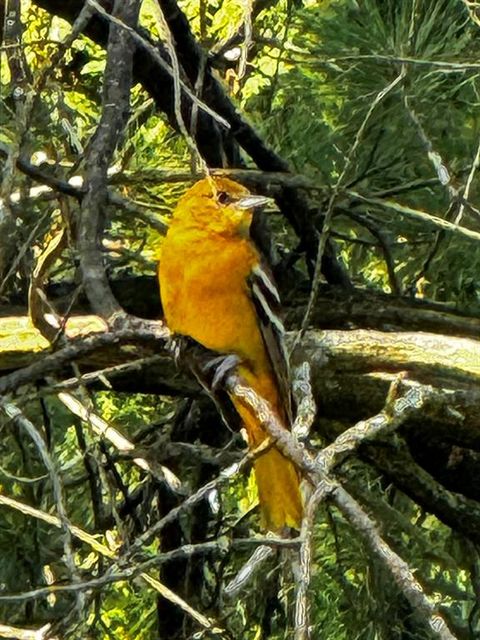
point(215, 289)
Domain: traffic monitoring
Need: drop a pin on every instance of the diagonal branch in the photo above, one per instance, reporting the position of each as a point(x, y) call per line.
point(417, 215)
point(318, 472)
point(294, 206)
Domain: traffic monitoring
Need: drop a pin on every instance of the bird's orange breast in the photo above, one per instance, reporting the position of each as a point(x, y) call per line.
point(204, 289)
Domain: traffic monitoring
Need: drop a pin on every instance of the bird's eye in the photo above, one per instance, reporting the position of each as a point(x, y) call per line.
point(223, 197)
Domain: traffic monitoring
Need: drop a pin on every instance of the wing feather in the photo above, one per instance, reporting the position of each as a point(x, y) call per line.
point(266, 299)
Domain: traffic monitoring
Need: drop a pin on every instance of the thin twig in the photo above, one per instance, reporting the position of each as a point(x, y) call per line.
point(160, 61)
point(177, 90)
point(466, 192)
point(18, 417)
point(419, 216)
point(55, 521)
point(247, 37)
point(330, 207)
point(441, 65)
point(440, 166)
point(102, 375)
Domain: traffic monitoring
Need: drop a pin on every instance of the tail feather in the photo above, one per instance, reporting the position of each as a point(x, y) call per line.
point(278, 491)
point(277, 479)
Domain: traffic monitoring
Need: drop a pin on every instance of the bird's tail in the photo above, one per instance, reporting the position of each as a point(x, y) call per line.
point(278, 491)
point(277, 479)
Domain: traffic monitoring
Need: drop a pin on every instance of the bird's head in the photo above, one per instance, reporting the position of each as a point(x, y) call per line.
point(218, 204)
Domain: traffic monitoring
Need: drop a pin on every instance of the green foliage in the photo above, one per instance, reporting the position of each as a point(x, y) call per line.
point(338, 59)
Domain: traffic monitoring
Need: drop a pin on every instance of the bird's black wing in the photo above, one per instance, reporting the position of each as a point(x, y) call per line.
point(266, 299)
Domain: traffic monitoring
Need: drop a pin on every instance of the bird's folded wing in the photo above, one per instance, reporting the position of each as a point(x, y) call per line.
point(266, 299)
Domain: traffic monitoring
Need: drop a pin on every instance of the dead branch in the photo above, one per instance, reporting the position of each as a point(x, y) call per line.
point(115, 104)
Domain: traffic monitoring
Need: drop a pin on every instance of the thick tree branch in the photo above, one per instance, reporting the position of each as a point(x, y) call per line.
point(77, 348)
point(115, 107)
point(358, 365)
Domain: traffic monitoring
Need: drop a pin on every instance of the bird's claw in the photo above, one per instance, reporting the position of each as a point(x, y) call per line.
point(223, 366)
point(176, 346)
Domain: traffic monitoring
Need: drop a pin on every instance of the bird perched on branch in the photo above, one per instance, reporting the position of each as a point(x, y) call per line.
point(216, 290)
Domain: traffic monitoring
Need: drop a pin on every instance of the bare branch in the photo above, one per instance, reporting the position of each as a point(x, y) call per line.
point(149, 332)
point(318, 472)
point(103, 429)
point(115, 106)
point(14, 633)
point(420, 216)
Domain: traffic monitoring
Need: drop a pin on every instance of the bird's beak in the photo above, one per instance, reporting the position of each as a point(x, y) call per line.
point(252, 202)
